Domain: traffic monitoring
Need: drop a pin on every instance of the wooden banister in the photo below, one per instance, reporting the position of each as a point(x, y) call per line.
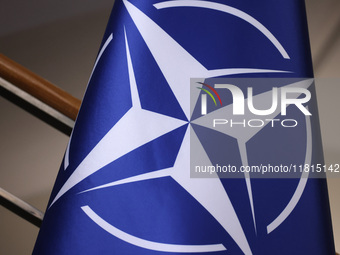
point(39, 88)
point(48, 102)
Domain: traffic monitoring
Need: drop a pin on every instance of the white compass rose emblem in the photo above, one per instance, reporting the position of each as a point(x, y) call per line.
point(139, 126)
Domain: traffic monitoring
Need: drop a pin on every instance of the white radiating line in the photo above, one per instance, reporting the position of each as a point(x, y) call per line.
point(243, 151)
point(107, 42)
point(133, 84)
point(67, 153)
point(163, 247)
point(301, 186)
point(142, 177)
point(233, 71)
point(227, 9)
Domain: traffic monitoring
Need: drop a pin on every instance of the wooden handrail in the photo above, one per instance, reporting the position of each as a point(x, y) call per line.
point(39, 88)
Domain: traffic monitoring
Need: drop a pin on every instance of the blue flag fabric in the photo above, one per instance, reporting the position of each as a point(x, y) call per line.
point(124, 185)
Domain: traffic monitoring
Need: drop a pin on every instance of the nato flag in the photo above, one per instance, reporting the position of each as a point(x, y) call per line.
point(155, 104)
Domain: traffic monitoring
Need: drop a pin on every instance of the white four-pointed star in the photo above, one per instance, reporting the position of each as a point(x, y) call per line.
point(177, 66)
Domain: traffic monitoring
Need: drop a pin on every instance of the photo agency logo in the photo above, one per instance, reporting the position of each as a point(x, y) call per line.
point(264, 104)
point(247, 126)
